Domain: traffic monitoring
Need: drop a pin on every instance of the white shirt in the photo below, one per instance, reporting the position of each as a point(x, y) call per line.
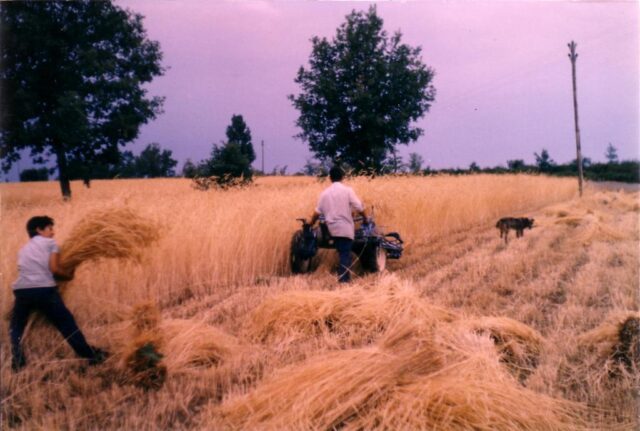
point(336, 204)
point(33, 263)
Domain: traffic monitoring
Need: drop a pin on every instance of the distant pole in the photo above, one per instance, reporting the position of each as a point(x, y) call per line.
point(573, 55)
point(262, 145)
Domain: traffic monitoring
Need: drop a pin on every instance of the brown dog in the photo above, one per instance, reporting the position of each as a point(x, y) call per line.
point(518, 224)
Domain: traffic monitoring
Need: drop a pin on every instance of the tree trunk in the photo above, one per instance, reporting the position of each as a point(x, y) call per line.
point(63, 174)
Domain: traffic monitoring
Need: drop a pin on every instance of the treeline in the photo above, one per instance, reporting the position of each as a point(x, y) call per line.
point(152, 162)
point(627, 171)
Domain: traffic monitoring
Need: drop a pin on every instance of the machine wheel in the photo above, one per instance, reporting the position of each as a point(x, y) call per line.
point(298, 264)
point(374, 259)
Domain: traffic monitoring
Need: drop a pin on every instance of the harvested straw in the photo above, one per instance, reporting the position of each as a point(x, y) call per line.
point(328, 391)
point(604, 368)
point(192, 345)
point(472, 394)
point(356, 314)
point(614, 346)
point(142, 357)
point(519, 345)
point(114, 233)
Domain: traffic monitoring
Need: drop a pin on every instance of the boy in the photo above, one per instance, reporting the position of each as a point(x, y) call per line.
point(35, 289)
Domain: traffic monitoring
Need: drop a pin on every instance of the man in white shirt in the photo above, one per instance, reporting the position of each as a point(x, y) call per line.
point(336, 204)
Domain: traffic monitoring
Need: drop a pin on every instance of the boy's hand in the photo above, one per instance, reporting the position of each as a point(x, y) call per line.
point(64, 276)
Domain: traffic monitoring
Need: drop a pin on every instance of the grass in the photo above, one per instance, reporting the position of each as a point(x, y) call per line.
point(215, 295)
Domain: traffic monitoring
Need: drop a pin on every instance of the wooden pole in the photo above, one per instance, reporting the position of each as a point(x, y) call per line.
point(262, 145)
point(573, 55)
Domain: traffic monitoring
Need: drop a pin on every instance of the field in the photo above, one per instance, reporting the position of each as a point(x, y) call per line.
point(463, 332)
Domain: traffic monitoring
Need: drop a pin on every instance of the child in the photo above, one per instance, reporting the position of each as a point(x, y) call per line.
point(35, 289)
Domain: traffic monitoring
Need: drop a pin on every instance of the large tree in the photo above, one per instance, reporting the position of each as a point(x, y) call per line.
point(72, 77)
point(239, 133)
point(361, 93)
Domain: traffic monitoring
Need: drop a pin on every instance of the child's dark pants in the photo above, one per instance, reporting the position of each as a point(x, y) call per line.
point(47, 300)
point(343, 245)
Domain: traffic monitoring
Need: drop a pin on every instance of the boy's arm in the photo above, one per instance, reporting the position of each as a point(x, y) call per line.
point(56, 268)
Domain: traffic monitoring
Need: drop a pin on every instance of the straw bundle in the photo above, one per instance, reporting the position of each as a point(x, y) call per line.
point(472, 394)
point(191, 345)
point(328, 391)
point(113, 233)
point(519, 345)
point(142, 357)
point(296, 315)
point(604, 368)
point(617, 340)
point(356, 314)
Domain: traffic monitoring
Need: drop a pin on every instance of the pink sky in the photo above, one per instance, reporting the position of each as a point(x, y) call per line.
point(503, 77)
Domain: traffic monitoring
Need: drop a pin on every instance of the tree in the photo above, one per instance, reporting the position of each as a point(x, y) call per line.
point(239, 133)
point(154, 162)
point(361, 93)
point(34, 174)
point(189, 170)
point(611, 154)
point(544, 161)
point(415, 163)
point(228, 163)
point(516, 165)
point(72, 77)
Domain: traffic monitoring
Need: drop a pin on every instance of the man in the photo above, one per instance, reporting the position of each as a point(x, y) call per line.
point(336, 204)
point(35, 290)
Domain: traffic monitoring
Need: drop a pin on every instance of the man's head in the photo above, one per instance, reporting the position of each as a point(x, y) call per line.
point(336, 173)
point(40, 225)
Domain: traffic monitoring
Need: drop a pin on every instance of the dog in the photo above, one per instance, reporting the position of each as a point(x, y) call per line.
point(518, 224)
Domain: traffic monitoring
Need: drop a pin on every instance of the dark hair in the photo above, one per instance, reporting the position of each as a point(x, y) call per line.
point(336, 173)
point(38, 222)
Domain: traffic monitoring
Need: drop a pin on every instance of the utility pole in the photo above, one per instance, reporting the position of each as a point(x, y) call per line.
point(573, 55)
point(262, 145)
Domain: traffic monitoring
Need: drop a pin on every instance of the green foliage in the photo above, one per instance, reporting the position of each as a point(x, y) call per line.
point(228, 167)
point(516, 165)
point(73, 76)
point(611, 154)
point(239, 133)
point(415, 163)
point(34, 174)
point(361, 93)
point(544, 161)
point(189, 170)
point(154, 162)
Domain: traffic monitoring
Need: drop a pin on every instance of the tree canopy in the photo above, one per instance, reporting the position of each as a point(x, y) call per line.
point(72, 78)
point(361, 92)
point(239, 133)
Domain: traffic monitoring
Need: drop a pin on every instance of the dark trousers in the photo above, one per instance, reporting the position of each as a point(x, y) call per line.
point(343, 245)
point(46, 300)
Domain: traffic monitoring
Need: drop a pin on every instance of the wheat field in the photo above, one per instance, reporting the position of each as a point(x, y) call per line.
point(463, 332)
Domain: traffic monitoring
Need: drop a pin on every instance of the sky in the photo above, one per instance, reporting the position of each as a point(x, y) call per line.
point(503, 76)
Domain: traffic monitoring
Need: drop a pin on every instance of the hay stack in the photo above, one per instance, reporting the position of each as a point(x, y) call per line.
point(470, 395)
point(356, 314)
point(296, 315)
point(451, 379)
point(113, 233)
point(519, 345)
point(184, 345)
point(142, 357)
point(191, 344)
point(328, 391)
point(613, 347)
point(604, 368)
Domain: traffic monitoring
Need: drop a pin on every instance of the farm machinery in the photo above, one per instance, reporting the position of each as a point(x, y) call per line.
point(372, 246)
